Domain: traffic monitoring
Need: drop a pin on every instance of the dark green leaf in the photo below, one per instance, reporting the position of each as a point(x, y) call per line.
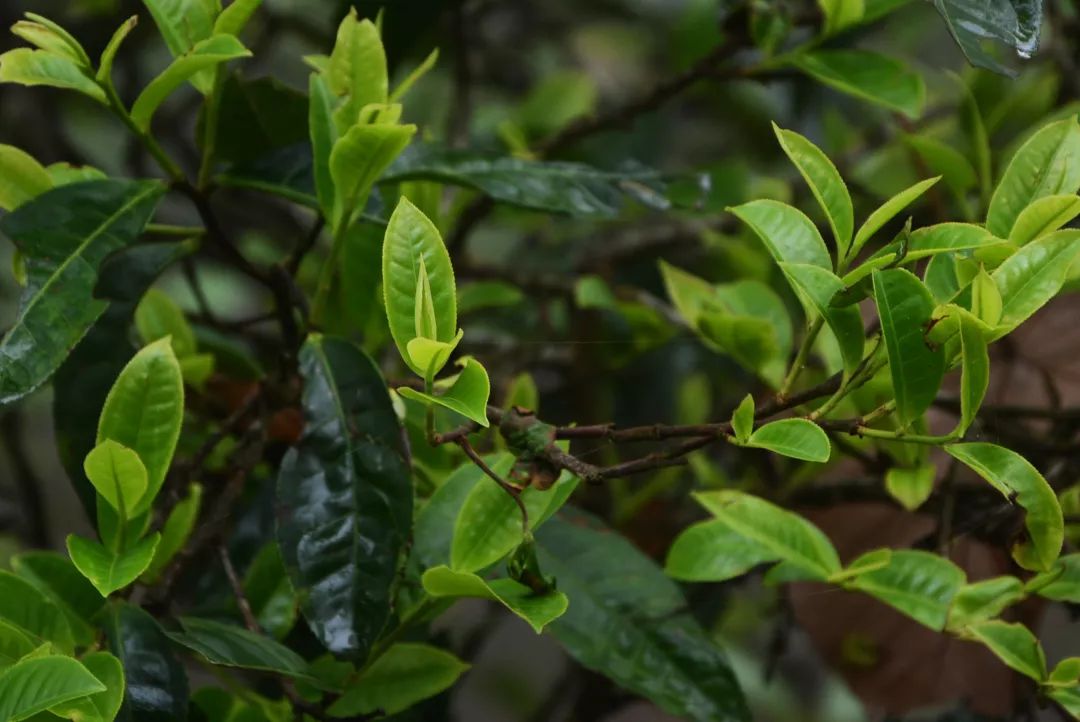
point(25, 607)
point(232, 646)
point(156, 685)
point(1013, 22)
point(57, 578)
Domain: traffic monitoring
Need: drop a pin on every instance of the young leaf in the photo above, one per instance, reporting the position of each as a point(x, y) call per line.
point(467, 396)
point(118, 475)
point(158, 316)
point(407, 673)
point(183, 23)
point(871, 76)
point(231, 646)
point(24, 66)
point(986, 303)
point(1044, 216)
point(175, 533)
point(905, 307)
point(420, 71)
point(108, 55)
point(538, 610)
point(357, 160)
point(1061, 582)
point(204, 54)
point(108, 570)
point(344, 497)
point(797, 438)
point(825, 183)
point(787, 535)
point(886, 212)
point(975, 374)
point(157, 686)
point(324, 137)
point(919, 584)
point(710, 551)
point(64, 235)
point(787, 233)
point(910, 486)
point(817, 287)
point(35, 684)
point(980, 601)
point(357, 69)
point(410, 235)
point(234, 18)
point(21, 178)
point(1047, 164)
point(101, 706)
point(1013, 644)
point(1033, 275)
point(840, 14)
point(1019, 482)
point(742, 421)
point(51, 37)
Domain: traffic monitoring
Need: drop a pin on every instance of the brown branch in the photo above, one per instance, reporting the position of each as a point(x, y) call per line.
point(238, 590)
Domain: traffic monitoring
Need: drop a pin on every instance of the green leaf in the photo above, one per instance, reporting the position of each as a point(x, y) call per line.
point(886, 212)
point(979, 601)
point(344, 498)
point(975, 373)
point(1068, 697)
point(358, 159)
point(24, 66)
point(910, 486)
point(710, 551)
point(742, 421)
point(1020, 483)
point(108, 55)
point(158, 316)
point(64, 235)
point(1044, 216)
point(787, 535)
point(231, 646)
point(183, 23)
point(156, 685)
point(101, 706)
point(411, 79)
point(797, 438)
point(1061, 582)
point(1013, 22)
point(1048, 163)
point(1013, 644)
point(840, 14)
point(205, 54)
point(49, 36)
point(411, 236)
point(1034, 275)
point(58, 579)
point(467, 396)
point(36, 684)
point(110, 571)
point(876, 78)
point(919, 584)
point(357, 69)
point(536, 609)
point(818, 286)
point(21, 178)
point(629, 622)
point(29, 609)
point(928, 242)
point(267, 586)
point(905, 308)
point(118, 475)
point(234, 18)
point(404, 675)
point(324, 137)
point(787, 233)
point(986, 303)
point(1065, 673)
point(825, 183)
point(14, 644)
point(944, 160)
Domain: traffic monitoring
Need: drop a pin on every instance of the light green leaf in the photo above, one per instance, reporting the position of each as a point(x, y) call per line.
point(38, 683)
point(979, 601)
point(1066, 673)
point(231, 646)
point(420, 71)
point(742, 421)
point(234, 18)
point(919, 584)
point(14, 644)
point(905, 308)
point(404, 675)
point(537, 610)
point(1013, 644)
point(49, 36)
point(1061, 582)
point(467, 396)
point(797, 438)
point(824, 181)
point(357, 160)
point(1019, 482)
point(1044, 216)
point(787, 535)
point(158, 316)
point(204, 54)
point(63, 174)
point(410, 235)
point(183, 23)
point(1067, 697)
point(871, 561)
point(118, 475)
point(710, 551)
point(944, 160)
point(356, 70)
point(1033, 275)
point(102, 706)
point(818, 286)
point(690, 295)
point(431, 355)
point(24, 606)
point(986, 303)
point(110, 571)
point(871, 76)
point(108, 55)
point(840, 14)
point(975, 371)
point(910, 486)
point(787, 233)
point(1047, 164)
point(324, 136)
point(56, 577)
point(928, 242)
point(886, 212)
point(39, 67)
point(22, 178)
point(176, 531)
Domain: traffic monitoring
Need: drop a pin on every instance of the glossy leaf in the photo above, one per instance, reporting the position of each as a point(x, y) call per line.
point(980, 601)
point(710, 551)
point(155, 681)
point(110, 571)
point(825, 183)
point(1044, 216)
point(629, 622)
point(232, 646)
point(21, 178)
point(787, 233)
point(538, 610)
point(467, 396)
point(1012, 22)
point(34, 685)
point(797, 438)
point(1048, 163)
point(818, 287)
point(1019, 482)
point(1061, 582)
point(64, 235)
point(176, 531)
point(344, 498)
point(205, 54)
point(1013, 644)
point(358, 159)
point(22, 605)
point(25, 66)
point(910, 486)
point(1033, 275)
point(919, 584)
point(118, 475)
point(905, 308)
point(101, 706)
point(886, 212)
point(787, 535)
point(404, 675)
point(870, 76)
